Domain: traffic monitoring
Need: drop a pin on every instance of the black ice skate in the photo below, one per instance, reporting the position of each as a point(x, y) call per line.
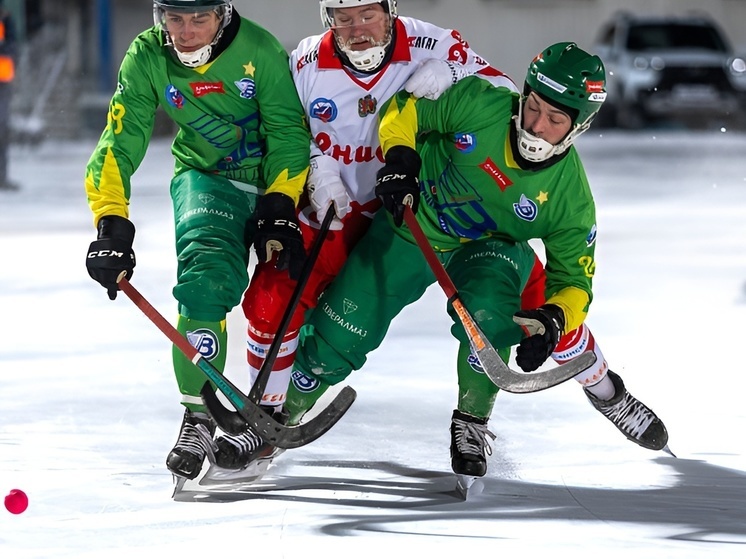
point(633, 418)
point(469, 444)
point(194, 443)
point(237, 452)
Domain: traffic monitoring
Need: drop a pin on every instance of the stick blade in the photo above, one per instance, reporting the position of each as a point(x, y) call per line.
point(523, 383)
point(268, 428)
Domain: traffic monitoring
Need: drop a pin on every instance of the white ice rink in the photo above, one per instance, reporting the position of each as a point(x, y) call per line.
point(89, 406)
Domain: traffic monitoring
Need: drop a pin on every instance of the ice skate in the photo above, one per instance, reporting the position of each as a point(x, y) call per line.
point(469, 444)
point(633, 418)
point(237, 452)
point(193, 445)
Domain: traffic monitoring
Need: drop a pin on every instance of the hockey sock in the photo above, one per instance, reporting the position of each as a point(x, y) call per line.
point(211, 339)
point(603, 390)
point(257, 347)
point(594, 379)
point(476, 392)
point(303, 392)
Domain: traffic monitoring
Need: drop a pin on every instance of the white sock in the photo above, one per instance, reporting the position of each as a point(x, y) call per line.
point(603, 389)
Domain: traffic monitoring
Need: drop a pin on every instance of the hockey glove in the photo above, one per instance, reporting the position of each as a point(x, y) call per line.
point(111, 254)
point(396, 182)
point(325, 187)
point(544, 327)
point(433, 77)
point(278, 231)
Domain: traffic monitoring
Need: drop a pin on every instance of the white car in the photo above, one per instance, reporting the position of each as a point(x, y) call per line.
point(679, 69)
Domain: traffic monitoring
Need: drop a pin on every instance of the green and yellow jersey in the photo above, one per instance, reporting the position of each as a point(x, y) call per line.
point(238, 116)
point(472, 187)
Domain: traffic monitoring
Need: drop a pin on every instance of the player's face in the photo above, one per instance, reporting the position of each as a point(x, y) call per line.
point(544, 120)
point(191, 31)
point(361, 27)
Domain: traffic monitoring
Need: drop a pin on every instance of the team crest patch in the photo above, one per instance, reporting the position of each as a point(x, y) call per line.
point(303, 382)
point(367, 106)
point(465, 143)
point(246, 87)
point(474, 363)
point(323, 109)
point(174, 97)
point(526, 209)
point(204, 341)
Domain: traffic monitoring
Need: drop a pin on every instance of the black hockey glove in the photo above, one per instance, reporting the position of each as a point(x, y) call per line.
point(396, 182)
point(111, 254)
point(277, 229)
point(544, 327)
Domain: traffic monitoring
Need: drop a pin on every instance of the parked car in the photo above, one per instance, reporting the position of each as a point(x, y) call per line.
point(670, 68)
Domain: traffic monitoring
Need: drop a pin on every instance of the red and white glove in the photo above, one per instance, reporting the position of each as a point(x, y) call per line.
point(433, 77)
point(325, 188)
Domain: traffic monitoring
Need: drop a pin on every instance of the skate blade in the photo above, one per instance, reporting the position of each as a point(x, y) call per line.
point(217, 476)
point(468, 486)
point(214, 479)
point(668, 451)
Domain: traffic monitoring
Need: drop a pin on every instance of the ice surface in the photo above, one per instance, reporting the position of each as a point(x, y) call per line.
point(90, 407)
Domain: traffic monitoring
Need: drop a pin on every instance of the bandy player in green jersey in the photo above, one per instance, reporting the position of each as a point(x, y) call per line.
point(489, 170)
point(241, 161)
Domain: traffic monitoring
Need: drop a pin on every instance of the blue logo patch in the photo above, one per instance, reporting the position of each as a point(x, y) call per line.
point(591, 238)
point(526, 209)
point(465, 143)
point(247, 88)
point(174, 97)
point(323, 109)
point(205, 341)
point(303, 382)
point(474, 363)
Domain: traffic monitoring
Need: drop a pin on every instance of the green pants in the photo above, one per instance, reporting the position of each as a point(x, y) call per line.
point(212, 219)
point(213, 234)
point(384, 274)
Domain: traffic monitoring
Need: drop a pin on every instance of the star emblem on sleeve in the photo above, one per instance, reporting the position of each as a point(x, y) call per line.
point(249, 69)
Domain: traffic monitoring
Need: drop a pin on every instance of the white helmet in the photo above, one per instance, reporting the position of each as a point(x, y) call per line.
point(366, 60)
point(199, 57)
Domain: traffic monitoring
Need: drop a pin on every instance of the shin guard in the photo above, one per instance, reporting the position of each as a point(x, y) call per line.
point(211, 340)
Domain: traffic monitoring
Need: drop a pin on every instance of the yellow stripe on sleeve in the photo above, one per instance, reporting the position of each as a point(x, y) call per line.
point(398, 124)
point(293, 187)
point(109, 196)
point(573, 302)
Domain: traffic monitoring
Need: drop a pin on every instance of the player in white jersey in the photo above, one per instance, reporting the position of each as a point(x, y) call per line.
point(343, 76)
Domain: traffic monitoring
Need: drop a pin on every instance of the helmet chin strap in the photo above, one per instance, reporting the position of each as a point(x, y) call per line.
point(366, 60)
point(196, 58)
point(369, 59)
point(535, 149)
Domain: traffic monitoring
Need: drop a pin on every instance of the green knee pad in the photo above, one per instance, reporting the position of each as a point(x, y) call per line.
point(476, 392)
point(211, 340)
point(303, 392)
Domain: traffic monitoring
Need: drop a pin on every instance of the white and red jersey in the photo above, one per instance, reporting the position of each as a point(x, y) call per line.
point(342, 110)
point(342, 105)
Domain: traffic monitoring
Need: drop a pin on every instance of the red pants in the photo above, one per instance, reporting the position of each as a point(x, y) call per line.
point(269, 291)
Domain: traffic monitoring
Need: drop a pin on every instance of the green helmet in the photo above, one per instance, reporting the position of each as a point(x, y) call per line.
point(570, 78)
